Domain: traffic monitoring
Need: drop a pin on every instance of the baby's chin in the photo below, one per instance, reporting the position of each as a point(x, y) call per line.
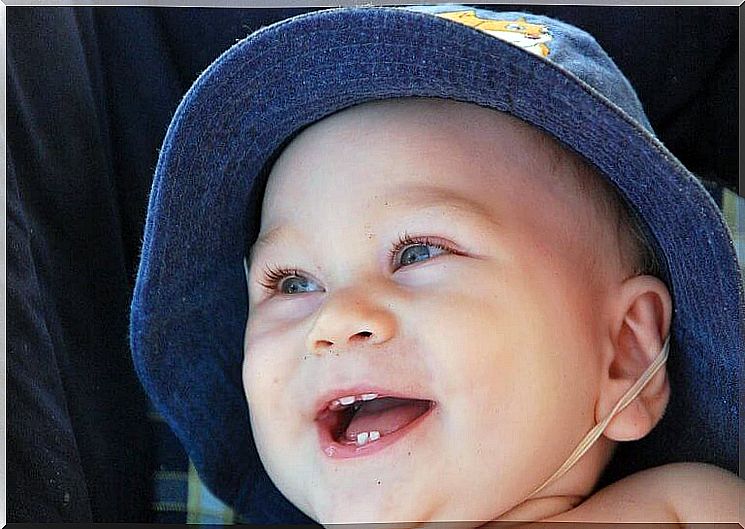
point(365, 507)
point(398, 493)
point(396, 509)
point(369, 508)
point(375, 519)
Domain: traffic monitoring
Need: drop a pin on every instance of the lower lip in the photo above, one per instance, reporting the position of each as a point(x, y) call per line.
point(336, 450)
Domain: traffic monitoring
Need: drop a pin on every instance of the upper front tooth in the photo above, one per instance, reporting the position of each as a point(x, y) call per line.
point(335, 404)
point(369, 396)
point(347, 400)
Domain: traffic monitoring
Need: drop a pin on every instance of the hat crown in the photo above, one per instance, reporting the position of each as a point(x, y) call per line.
point(573, 50)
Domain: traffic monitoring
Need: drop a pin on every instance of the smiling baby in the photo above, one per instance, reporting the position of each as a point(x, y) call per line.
point(463, 295)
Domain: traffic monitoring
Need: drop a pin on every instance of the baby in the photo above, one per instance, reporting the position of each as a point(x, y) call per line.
point(475, 323)
point(451, 316)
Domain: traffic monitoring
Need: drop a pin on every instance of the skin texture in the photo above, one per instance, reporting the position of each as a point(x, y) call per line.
point(525, 331)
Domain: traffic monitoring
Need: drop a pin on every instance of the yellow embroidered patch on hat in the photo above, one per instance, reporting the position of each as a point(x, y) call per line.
point(531, 37)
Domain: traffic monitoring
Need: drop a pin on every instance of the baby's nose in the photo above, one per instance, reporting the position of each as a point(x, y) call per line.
point(361, 336)
point(347, 320)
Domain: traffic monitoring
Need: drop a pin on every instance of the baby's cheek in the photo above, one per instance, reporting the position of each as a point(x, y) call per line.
point(272, 380)
point(262, 377)
point(261, 384)
point(279, 436)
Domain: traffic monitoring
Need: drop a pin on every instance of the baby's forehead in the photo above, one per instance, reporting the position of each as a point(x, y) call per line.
point(418, 147)
point(391, 206)
point(420, 166)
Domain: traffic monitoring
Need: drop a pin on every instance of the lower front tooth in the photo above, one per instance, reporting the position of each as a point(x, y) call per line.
point(362, 438)
point(374, 436)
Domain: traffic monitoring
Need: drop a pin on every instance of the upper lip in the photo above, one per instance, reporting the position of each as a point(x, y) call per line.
point(326, 397)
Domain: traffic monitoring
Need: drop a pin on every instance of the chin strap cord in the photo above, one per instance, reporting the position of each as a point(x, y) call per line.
point(594, 434)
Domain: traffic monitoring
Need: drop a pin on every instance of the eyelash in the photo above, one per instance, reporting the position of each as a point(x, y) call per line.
point(273, 276)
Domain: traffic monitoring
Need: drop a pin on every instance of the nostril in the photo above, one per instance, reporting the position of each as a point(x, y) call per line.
point(326, 345)
point(362, 335)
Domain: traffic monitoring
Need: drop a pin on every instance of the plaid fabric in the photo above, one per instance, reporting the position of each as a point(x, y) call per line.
point(733, 207)
point(179, 494)
point(181, 497)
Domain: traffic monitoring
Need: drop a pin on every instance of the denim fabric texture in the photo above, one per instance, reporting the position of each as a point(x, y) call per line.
point(189, 306)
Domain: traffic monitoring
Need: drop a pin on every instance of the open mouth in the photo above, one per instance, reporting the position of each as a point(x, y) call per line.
point(354, 424)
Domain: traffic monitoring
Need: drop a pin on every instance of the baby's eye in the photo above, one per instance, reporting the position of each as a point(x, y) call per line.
point(407, 251)
point(412, 250)
point(287, 281)
point(418, 252)
point(296, 285)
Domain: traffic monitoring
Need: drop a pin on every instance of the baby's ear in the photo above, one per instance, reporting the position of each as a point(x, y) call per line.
point(642, 310)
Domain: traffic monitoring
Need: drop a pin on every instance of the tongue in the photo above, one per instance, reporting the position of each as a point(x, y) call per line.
point(385, 415)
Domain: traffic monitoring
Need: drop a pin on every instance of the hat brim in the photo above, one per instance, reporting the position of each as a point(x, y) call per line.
point(190, 304)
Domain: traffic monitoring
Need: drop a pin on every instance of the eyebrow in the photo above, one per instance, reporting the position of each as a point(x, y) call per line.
point(427, 200)
point(270, 238)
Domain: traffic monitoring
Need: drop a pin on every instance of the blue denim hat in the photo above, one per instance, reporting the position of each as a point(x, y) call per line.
point(190, 303)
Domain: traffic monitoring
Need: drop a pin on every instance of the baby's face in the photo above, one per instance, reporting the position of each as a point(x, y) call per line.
point(434, 254)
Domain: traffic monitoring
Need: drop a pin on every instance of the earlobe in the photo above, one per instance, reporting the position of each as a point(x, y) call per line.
point(642, 313)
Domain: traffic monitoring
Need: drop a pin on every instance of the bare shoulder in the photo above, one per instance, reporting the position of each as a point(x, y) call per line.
point(680, 492)
point(701, 493)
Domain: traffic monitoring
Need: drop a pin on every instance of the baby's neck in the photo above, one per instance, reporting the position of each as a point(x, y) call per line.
point(537, 509)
